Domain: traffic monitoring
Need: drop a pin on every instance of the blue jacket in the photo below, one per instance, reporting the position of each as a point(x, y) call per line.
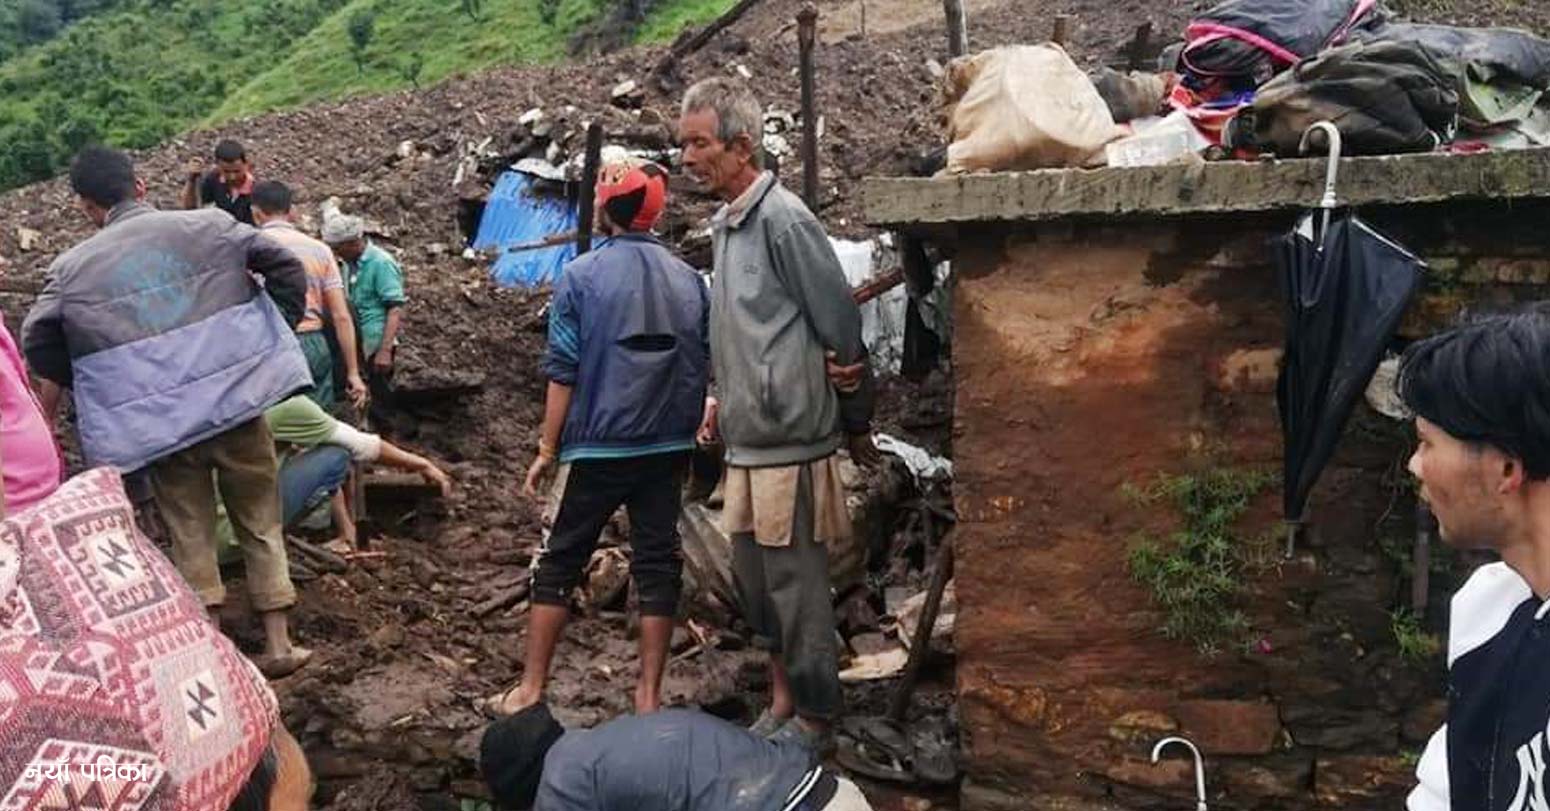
point(158, 325)
point(629, 329)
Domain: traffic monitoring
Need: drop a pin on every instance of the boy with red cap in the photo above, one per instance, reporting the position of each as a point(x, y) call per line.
point(627, 363)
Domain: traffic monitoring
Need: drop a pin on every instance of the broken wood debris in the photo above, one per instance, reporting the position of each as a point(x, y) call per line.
point(503, 598)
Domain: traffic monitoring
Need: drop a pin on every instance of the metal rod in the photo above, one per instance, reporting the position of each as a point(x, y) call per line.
point(589, 187)
point(957, 28)
point(807, 35)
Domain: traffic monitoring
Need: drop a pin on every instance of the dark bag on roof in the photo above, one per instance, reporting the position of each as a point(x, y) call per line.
point(1256, 39)
point(1385, 98)
point(1495, 54)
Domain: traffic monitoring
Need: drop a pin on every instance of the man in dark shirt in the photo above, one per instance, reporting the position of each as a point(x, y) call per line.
point(670, 760)
point(1481, 396)
point(228, 187)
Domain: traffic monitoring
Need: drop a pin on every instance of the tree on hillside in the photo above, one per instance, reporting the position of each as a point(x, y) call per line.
point(363, 26)
point(37, 20)
point(473, 8)
point(411, 68)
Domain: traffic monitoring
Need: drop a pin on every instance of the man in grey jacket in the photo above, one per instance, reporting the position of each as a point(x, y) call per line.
point(780, 308)
point(171, 351)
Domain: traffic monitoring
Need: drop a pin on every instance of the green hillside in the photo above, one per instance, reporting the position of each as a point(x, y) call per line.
point(149, 69)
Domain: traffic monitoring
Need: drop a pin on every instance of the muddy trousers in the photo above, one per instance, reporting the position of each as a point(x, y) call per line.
point(184, 484)
point(785, 597)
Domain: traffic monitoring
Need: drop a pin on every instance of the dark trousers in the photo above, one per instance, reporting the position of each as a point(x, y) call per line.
point(650, 488)
point(784, 591)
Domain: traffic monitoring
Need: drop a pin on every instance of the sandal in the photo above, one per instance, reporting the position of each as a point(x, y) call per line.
point(494, 706)
point(278, 667)
point(876, 748)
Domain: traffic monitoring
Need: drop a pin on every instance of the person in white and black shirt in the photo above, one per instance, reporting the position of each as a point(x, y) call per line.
point(1481, 396)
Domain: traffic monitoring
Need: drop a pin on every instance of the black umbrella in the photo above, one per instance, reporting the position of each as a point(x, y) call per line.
point(1346, 287)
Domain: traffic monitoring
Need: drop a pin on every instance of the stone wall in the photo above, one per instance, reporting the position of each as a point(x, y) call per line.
point(1092, 357)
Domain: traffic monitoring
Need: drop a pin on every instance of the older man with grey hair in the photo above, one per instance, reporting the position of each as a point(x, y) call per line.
point(790, 370)
point(374, 284)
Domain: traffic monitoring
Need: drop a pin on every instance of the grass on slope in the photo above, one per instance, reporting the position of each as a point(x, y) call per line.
point(139, 75)
point(446, 39)
point(321, 66)
point(136, 76)
point(670, 17)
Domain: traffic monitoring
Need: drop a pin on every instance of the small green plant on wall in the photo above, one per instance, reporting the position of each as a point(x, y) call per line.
point(1195, 574)
point(1415, 644)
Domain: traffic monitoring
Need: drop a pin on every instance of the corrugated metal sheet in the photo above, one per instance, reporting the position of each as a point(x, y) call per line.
point(515, 215)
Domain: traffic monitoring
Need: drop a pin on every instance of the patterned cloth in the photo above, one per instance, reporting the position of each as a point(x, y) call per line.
point(107, 659)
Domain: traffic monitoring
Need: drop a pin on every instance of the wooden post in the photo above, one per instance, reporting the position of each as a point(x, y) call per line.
point(957, 28)
point(589, 187)
point(807, 35)
point(1063, 26)
point(1139, 46)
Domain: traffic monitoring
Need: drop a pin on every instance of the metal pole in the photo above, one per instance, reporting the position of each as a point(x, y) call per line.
point(589, 187)
point(807, 34)
point(957, 28)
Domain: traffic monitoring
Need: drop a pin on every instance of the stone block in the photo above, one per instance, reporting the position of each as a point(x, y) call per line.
point(1424, 720)
point(1168, 773)
point(1361, 781)
point(1504, 270)
point(1222, 727)
point(1262, 781)
point(1142, 727)
point(1346, 731)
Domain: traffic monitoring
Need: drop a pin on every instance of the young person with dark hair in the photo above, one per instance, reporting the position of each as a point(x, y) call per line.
point(627, 365)
point(673, 760)
point(328, 310)
point(1481, 398)
point(172, 351)
point(228, 187)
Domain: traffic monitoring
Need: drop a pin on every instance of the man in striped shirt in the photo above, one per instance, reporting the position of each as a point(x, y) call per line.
point(327, 307)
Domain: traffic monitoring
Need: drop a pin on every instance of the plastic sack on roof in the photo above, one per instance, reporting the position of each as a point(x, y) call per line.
point(1024, 107)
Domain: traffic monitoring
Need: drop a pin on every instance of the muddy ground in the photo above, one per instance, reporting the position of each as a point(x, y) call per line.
point(387, 710)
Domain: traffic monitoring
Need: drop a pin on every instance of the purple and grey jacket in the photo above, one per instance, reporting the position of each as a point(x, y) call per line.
point(158, 325)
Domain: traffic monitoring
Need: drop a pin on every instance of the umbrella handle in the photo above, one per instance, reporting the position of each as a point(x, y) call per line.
point(1331, 174)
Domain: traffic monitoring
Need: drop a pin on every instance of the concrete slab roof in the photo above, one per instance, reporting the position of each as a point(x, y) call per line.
point(1200, 188)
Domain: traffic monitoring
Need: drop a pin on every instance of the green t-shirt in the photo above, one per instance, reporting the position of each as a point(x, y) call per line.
point(375, 282)
point(298, 421)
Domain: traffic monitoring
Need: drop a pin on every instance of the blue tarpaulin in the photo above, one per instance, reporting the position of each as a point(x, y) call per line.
point(517, 214)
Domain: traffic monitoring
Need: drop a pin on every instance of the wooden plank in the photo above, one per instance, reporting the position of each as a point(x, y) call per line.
point(1200, 188)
